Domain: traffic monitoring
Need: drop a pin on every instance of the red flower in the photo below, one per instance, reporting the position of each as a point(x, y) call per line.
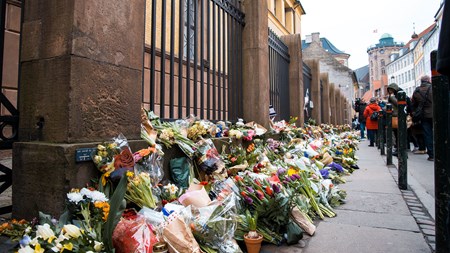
point(257, 182)
point(244, 194)
point(238, 178)
point(203, 183)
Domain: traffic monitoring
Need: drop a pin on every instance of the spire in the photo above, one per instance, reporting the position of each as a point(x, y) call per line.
point(414, 35)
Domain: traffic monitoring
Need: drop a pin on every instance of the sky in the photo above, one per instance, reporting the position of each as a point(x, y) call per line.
point(354, 25)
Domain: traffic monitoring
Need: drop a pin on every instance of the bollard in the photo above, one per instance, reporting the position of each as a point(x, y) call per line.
point(378, 137)
point(389, 134)
point(381, 128)
point(402, 140)
point(441, 103)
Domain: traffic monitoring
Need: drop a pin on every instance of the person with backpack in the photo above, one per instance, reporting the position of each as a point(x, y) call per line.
point(371, 115)
point(422, 113)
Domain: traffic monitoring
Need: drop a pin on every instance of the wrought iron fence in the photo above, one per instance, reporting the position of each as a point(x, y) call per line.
point(193, 59)
point(279, 76)
point(307, 78)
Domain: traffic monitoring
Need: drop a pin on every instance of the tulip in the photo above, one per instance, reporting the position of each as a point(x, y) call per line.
point(276, 188)
point(45, 232)
point(281, 171)
point(72, 230)
point(250, 189)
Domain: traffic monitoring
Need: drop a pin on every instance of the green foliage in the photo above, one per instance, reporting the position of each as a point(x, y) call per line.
point(116, 209)
point(251, 220)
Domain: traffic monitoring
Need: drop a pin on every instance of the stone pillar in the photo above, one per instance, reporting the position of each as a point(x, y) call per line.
point(340, 109)
point(81, 83)
point(315, 90)
point(332, 104)
point(255, 51)
point(325, 99)
point(296, 97)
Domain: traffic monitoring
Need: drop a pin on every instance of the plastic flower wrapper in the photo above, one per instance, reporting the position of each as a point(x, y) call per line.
point(199, 129)
point(133, 235)
point(170, 133)
point(150, 160)
point(113, 159)
point(214, 225)
point(209, 160)
point(196, 196)
point(177, 233)
point(139, 190)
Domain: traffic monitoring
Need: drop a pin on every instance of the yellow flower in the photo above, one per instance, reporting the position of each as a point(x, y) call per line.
point(67, 246)
point(105, 208)
point(292, 171)
point(104, 177)
point(101, 147)
point(38, 249)
point(130, 174)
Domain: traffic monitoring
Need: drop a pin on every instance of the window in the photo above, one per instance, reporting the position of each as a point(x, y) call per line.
point(382, 63)
point(383, 71)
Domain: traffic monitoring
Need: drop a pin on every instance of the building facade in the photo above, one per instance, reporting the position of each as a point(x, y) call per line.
point(379, 57)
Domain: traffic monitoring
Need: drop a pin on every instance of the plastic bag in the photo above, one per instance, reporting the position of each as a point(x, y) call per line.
point(215, 224)
point(151, 164)
point(133, 236)
point(178, 234)
point(209, 160)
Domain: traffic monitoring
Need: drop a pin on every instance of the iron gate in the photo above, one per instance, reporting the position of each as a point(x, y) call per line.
point(279, 76)
point(307, 77)
point(193, 59)
point(10, 22)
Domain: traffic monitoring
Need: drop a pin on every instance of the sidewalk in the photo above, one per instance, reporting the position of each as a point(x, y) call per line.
point(376, 217)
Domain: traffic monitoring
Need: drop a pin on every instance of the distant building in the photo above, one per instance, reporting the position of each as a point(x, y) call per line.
point(379, 57)
point(332, 61)
point(362, 75)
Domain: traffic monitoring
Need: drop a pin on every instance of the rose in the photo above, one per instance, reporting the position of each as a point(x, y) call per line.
point(124, 160)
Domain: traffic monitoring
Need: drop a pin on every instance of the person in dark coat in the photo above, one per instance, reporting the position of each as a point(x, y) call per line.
point(360, 106)
point(424, 94)
point(371, 125)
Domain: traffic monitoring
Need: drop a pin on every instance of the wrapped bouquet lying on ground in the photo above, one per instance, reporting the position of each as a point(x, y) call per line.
point(276, 182)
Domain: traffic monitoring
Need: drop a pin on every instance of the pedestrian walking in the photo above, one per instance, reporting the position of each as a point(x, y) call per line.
point(422, 102)
point(370, 112)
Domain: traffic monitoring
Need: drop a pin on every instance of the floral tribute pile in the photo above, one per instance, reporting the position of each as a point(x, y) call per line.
point(276, 182)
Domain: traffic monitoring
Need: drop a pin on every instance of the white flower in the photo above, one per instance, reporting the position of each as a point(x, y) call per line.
point(72, 230)
point(98, 246)
point(45, 231)
point(27, 249)
point(171, 188)
point(235, 133)
point(94, 195)
point(74, 197)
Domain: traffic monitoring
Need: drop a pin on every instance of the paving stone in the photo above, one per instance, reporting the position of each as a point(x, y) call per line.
point(424, 226)
point(421, 217)
point(431, 238)
point(414, 204)
point(415, 208)
point(428, 231)
point(425, 221)
point(417, 213)
point(433, 246)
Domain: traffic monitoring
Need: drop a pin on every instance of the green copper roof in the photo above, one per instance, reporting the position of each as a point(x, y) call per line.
point(385, 36)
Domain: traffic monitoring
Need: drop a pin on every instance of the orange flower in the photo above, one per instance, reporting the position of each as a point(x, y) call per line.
point(269, 191)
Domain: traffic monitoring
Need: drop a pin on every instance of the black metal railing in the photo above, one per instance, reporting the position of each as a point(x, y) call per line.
point(307, 78)
point(193, 59)
point(279, 76)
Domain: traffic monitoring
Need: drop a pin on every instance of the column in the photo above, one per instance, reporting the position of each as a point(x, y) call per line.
point(296, 98)
point(332, 104)
point(255, 50)
point(81, 83)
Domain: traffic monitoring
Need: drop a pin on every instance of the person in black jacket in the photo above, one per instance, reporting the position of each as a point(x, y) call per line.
point(360, 106)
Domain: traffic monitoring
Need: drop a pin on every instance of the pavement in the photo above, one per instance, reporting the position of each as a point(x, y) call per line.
point(377, 216)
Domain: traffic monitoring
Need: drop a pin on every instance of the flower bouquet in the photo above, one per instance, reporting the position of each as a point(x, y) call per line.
point(134, 234)
point(214, 225)
point(209, 161)
point(139, 190)
point(150, 160)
